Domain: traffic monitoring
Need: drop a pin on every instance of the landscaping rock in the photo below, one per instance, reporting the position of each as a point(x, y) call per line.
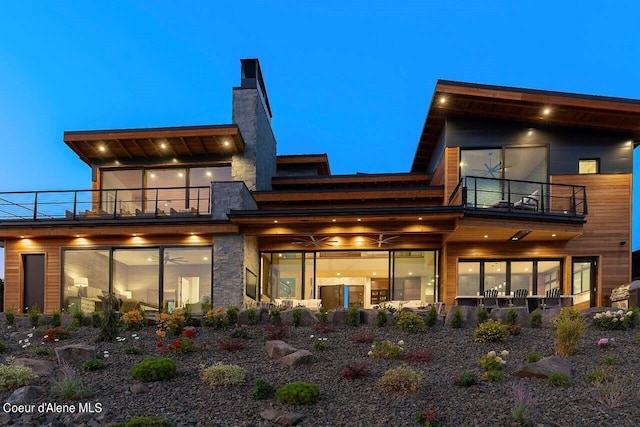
point(523, 319)
point(138, 388)
point(338, 316)
point(300, 357)
point(75, 355)
point(468, 315)
point(368, 316)
point(270, 414)
point(545, 367)
point(549, 314)
point(40, 367)
point(289, 418)
point(25, 395)
point(277, 349)
point(307, 319)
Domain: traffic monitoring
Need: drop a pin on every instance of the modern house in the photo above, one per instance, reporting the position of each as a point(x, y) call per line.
point(509, 189)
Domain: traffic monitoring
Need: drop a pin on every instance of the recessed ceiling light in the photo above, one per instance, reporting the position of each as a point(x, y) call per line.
point(419, 218)
point(180, 174)
point(338, 274)
point(135, 234)
point(333, 220)
point(209, 173)
point(486, 236)
point(22, 237)
point(206, 258)
point(526, 269)
point(275, 221)
point(153, 175)
point(101, 148)
point(443, 100)
point(546, 111)
point(554, 235)
point(163, 145)
point(374, 273)
point(226, 143)
point(192, 233)
point(410, 273)
point(359, 219)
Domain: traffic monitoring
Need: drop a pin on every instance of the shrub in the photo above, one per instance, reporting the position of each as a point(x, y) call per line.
point(558, 380)
point(457, 321)
point(569, 331)
point(296, 317)
point(55, 319)
point(41, 351)
point(221, 375)
point(381, 318)
point(96, 320)
point(322, 316)
point(429, 418)
point(362, 338)
point(323, 328)
point(610, 361)
point(77, 317)
point(276, 332)
point(354, 370)
point(70, 389)
point(353, 317)
point(94, 365)
point(597, 375)
point(401, 380)
point(615, 392)
point(298, 393)
point(241, 331)
point(511, 317)
point(566, 313)
point(492, 364)
point(188, 318)
point(320, 345)
point(10, 316)
point(275, 318)
point(525, 404)
point(231, 345)
point(482, 315)
point(514, 329)
point(386, 349)
point(133, 350)
point(3, 347)
point(612, 320)
point(491, 331)
point(185, 343)
point(423, 356)
point(493, 376)
point(144, 422)
point(216, 318)
point(171, 324)
point(533, 357)
point(14, 376)
point(133, 320)
point(54, 335)
point(252, 316)
point(431, 318)
point(536, 318)
point(154, 369)
point(409, 322)
point(262, 390)
point(109, 329)
point(34, 316)
point(232, 315)
point(466, 380)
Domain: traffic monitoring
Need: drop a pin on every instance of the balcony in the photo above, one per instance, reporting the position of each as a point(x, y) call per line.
point(493, 196)
point(77, 205)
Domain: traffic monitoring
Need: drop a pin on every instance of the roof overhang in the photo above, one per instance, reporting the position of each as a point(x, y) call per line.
point(319, 161)
point(531, 106)
point(95, 147)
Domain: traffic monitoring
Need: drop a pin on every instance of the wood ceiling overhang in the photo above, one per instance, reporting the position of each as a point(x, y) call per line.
point(320, 161)
point(523, 105)
point(189, 142)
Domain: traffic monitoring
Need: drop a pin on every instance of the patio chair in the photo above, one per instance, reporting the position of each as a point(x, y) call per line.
point(520, 298)
point(551, 299)
point(490, 299)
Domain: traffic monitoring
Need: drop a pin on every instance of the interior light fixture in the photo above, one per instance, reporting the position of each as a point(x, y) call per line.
point(338, 274)
point(520, 235)
point(22, 237)
point(209, 173)
point(81, 282)
point(135, 234)
point(410, 273)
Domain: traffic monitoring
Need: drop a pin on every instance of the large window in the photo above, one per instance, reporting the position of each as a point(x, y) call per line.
point(506, 276)
point(414, 276)
point(85, 279)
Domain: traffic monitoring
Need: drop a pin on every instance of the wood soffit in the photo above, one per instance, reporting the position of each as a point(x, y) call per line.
point(191, 142)
point(320, 161)
point(351, 181)
point(621, 115)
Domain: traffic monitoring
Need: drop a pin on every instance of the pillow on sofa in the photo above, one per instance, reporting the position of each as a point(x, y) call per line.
point(528, 202)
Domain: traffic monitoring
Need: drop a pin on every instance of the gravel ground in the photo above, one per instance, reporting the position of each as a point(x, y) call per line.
point(185, 400)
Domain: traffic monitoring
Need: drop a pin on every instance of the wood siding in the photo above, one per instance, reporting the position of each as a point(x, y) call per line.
point(452, 171)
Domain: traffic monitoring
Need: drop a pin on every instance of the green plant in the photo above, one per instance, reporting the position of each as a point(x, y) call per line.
point(429, 418)
point(133, 350)
point(525, 404)
point(536, 318)
point(55, 335)
point(41, 351)
point(569, 331)
point(216, 318)
point(409, 322)
point(275, 318)
point(188, 318)
point(612, 320)
point(96, 319)
point(276, 332)
point(493, 376)
point(94, 365)
point(77, 317)
point(322, 315)
point(14, 376)
point(70, 389)
point(354, 370)
point(133, 320)
point(533, 357)
point(232, 315)
point(320, 345)
point(109, 328)
point(298, 393)
point(185, 343)
point(614, 392)
point(144, 422)
point(252, 316)
point(566, 313)
point(482, 315)
point(362, 338)
point(3, 347)
point(262, 390)
point(466, 380)
point(558, 380)
point(221, 375)
point(241, 331)
point(381, 318)
point(34, 316)
point(154, 369)
point(431, 318)
point(511, 317)
point(296, 317)
point(170, 323)
point(55, 319)
point(457, 321)
point(401, 380)
point(231, 345)
point(491, 331)
point(610, 361)
point(492, 364)
point(10, 316)
point(386, 349)
point(597, 375)
point(353, 317)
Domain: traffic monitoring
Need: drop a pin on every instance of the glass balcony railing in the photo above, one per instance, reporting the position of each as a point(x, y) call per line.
point(105, 204)
point(516, 196)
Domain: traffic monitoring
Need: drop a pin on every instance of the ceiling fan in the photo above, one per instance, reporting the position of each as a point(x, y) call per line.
point(381, 240)
point(173, 260)
point(315, 242)
point(491, 170)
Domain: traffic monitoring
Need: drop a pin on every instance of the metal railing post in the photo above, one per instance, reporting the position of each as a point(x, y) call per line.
point(35, 206)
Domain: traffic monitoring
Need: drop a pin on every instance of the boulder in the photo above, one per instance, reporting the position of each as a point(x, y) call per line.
point(300, 357)
point(75, 355)
point(545, 367)
point(25, 395)
point(39, 367)
point(368, 316)
point(468, 315)
point(138, 388)
point(308, 318)
point(277, 349)
point(523, 319)
point(549, 314)
point(289, 418)
point(338, 316)
point(270, 414)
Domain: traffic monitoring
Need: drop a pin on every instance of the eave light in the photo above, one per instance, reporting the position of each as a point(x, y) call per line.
point(546, 111)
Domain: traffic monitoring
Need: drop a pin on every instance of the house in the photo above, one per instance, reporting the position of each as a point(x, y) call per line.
point(509, 189)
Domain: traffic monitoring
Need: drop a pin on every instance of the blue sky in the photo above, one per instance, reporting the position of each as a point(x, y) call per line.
point(346, 78)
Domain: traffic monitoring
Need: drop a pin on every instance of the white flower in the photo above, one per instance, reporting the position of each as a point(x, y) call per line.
point(401, 342)
point(498, 359)
point(614, 320)
point(608, 314)
point(46, 336)
point(134, 335)
point(622, 319)
point(504, 353)
point(491, 354)
point(370, 353)
point(597, 316)
point(620, 313)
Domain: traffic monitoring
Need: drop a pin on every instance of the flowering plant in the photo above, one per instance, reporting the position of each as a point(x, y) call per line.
point(241, 331)
point(55, 334)
point(185, 343)
point(609, 320)
point(429, 418)
point(170, 323)
point(514, 329)
point(133, 320)
point(492, 364)
point(386, 349)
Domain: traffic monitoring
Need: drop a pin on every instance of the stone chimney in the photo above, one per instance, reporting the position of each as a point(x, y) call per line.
point(252, 113)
